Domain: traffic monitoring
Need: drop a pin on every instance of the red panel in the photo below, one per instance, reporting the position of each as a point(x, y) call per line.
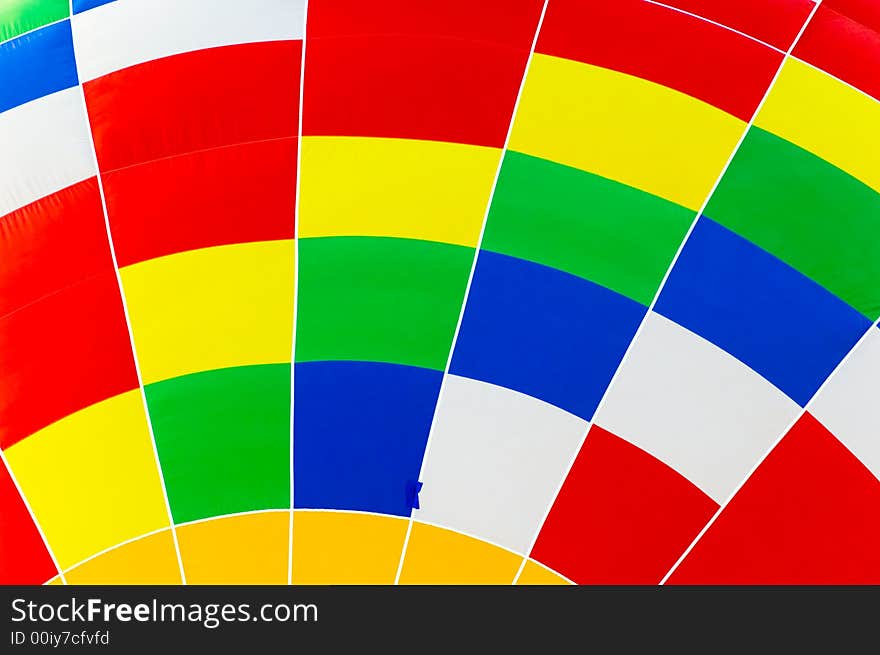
point(63, 339)
point(193, 101)
point(63, 353)
point(807, 516)
point(209, 198)
point(416, 80)
point(622, 517)
point(866, 12)
point(776, 22)
point(51, 244)
point(843, 47)
point(665, 46)
point(507, 22)
point(24, 559)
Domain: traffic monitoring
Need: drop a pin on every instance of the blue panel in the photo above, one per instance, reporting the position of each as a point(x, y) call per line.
point(83, 5)
point(543, 332)
point(760, 310)
point(360, 430)
point(36, 64)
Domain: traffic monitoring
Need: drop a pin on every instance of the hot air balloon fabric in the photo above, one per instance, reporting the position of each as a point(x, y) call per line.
point(395, 292)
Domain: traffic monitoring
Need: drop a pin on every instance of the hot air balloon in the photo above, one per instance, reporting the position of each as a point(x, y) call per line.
point(395, 292)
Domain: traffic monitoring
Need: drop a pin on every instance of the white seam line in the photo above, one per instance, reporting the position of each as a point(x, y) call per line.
point(525, 559)
point(439, 526)
point(803, 412)
point(471, 275)
point(121, 544)
point(555, 572)
point(296, 218)
point(198, 151)
point(469, 535)
point(834, 77)
point(547, 568)
point(166, 528)
point(221, 517)
point(30, 200)
point(659, 291)
point(231, 515)
point(481, 539)
point(122, 297)
point(58, 570)
point(494, 544)
point(35, 29)
point(716, 24)
point(764, 43)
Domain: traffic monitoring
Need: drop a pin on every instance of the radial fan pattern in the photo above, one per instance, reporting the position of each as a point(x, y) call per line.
point(509, 291)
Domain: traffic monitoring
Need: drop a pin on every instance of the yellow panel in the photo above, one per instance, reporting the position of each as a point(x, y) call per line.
point(439, 556)
point(91, 478)
point(346, 548)
point(55, 581)
point(244, 549)
point(826, 117)
point(624, 128)
point(212, 308)
point(149, 560)
point(395, 187)
point(536, 574)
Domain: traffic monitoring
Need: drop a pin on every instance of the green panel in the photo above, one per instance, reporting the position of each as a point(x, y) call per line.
point(224, 440)
point(379, 299)
point(584, 224)
point(19, 16)
point(809, 213)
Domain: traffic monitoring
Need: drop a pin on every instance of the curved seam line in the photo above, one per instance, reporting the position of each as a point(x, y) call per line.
point(198, 151)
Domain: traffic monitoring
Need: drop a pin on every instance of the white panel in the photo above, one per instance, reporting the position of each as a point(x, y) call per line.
point(496, 459)
point(44, 147)
point(129, 32)
point(694, 407)
point(849, 405)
